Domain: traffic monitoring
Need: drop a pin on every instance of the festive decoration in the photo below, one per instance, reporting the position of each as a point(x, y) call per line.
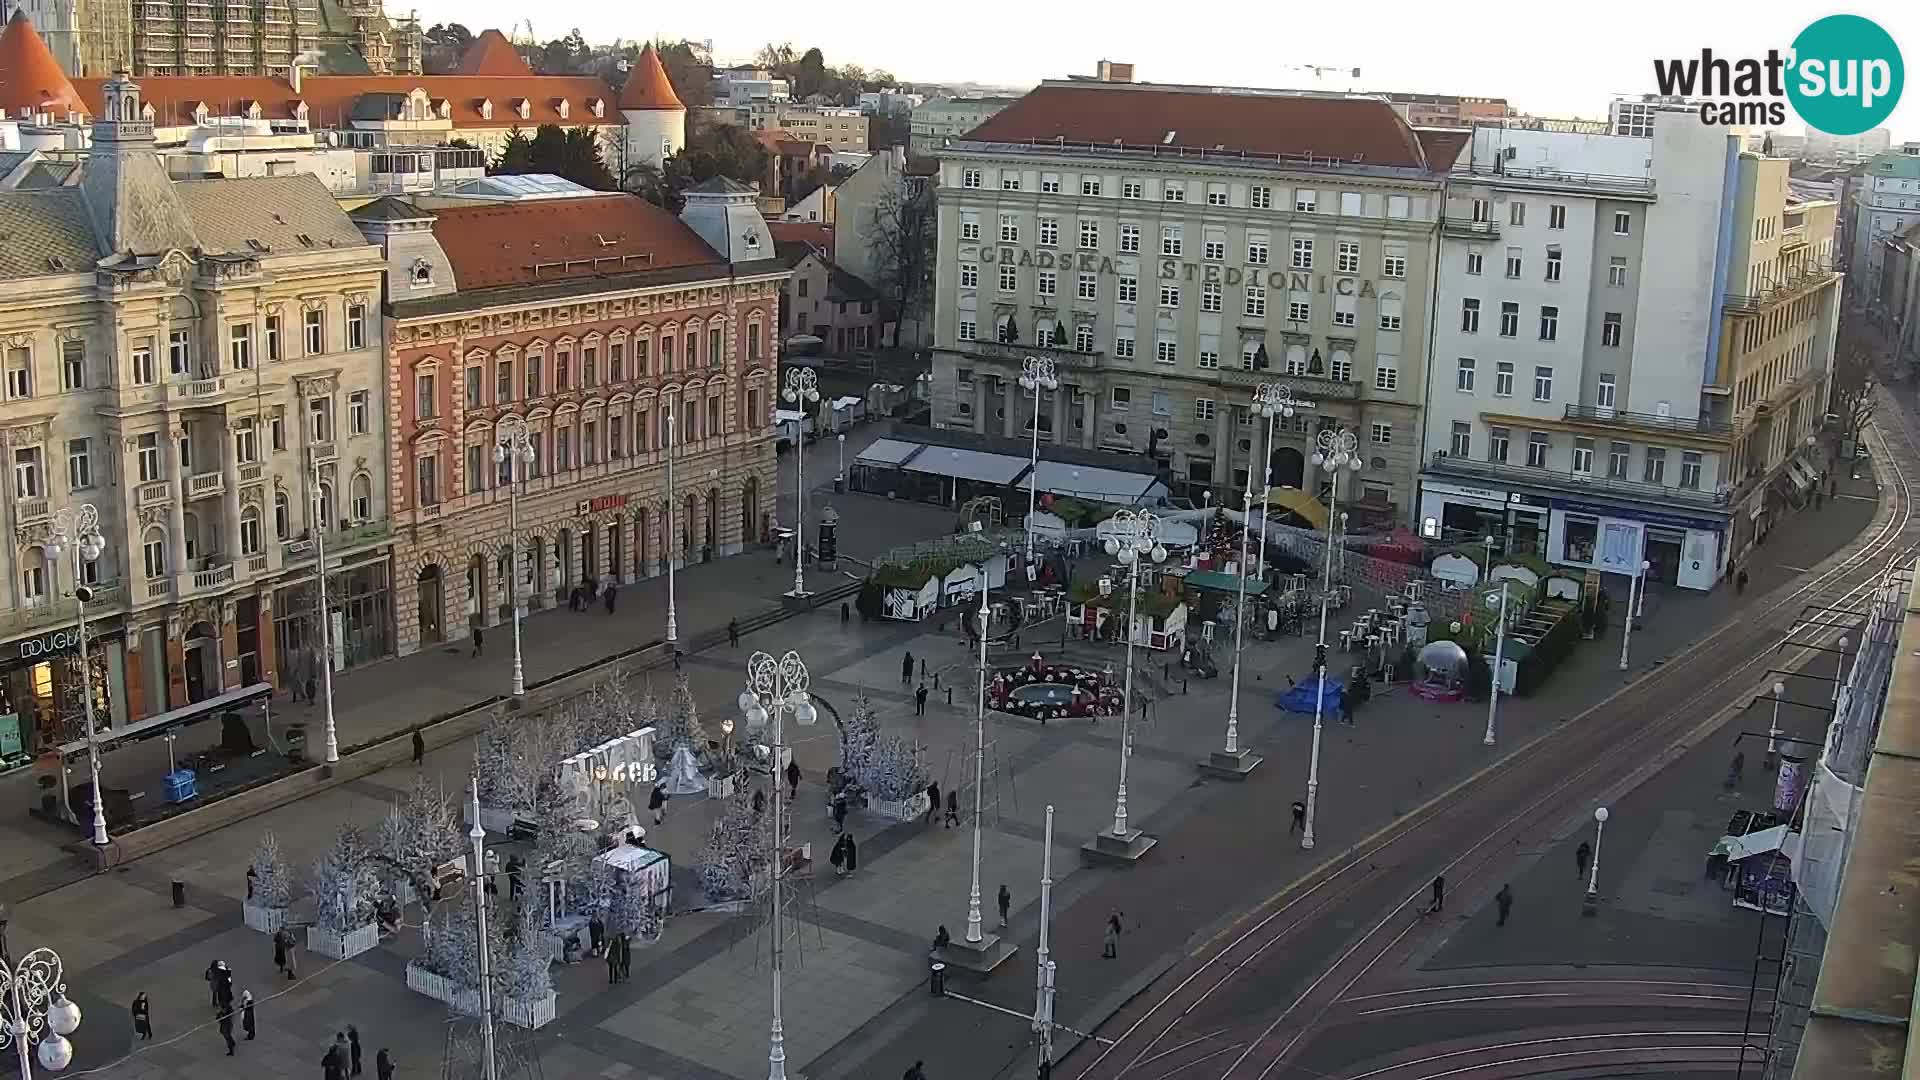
point(733, 864)
point(561, 849)
point(896, 770)
point(859, 733)
point(608, 710)
point(272, 881)
point(344, 883)
point(679, 723)
point(1223, 539)
point(420, 833)
point(683, 774)
point(501, 765)
point(1043, 691)
point(525, 969)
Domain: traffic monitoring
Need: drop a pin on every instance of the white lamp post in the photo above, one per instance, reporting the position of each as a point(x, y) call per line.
point(975, 937)
point(76, 529)
point(1234, 762)
point(489, 1068)
point(513, 447)
point(1499, 604)
point(802, 389)
point(775, 688)
point(33, 1001)
point(1773, 728)
point(1626, 636)
point(1133, 538)
point(1337, 449)
point(1043, 955)
point(319, 519)
point(840, 475)
point(1037, 374)
point(1591, 905)
point(1273, 401)
point(1839, 669)
point(671, 541)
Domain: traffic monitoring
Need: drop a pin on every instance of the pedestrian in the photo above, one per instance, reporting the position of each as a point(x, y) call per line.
point(383, 1064)
point(1740, 581)
point(312, 697)
point(353, 1047)
point(941, 939)
point(1582, 858)
point(1299, 817)
point(613, 961)
point(1504, 901)
point(607, 597)
point(793, 779)
point(253, 877)
point(657, 802)
point(479, 639)
point(515, 866)
point(246, 1013)
point(933, 802)
point(733, 633)
point(596, 932)
point(334, 1063)
point(626, 958)
point(953, 809)
point(419, 748)
point(1110, 938)
point(226, 1029)
point(920, 701)
point(853, 854)
point(142, 1017)
point(279, 951)
point(839, 813)
point(1006, 901)
point(759, 802)
point(213, 983)
point(906, 669)
point(1736, 769)
point(293, 958)
point(837, 856)
point(1439, 895)
point(845, 614)
point(918, 1072)
point(1346, 709)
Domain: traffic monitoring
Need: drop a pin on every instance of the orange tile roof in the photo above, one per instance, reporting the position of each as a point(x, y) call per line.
point(30, 78)
point(812, 233)
point(1142, 115)
point(492, 54)
point(330, 98)
point(648, 86)
point(553, 239)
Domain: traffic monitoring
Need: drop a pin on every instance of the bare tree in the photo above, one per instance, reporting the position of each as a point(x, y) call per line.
point(901, 240)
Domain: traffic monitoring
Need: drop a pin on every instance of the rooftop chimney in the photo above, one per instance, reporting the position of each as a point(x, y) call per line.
point(1111, 71)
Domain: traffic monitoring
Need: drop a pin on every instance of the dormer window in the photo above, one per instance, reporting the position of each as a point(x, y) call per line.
point(200, 112)
point(254, 111)
point(443, 108)
point(563, 107)
point(421, 274)
point(147, 113)
point(299, 112)
point(486, 109)
point(523, 108)
point(597, 106)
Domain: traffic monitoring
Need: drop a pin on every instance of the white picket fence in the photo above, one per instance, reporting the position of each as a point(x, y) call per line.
point(343, 946)
point(531, 1014)
point(267, 920)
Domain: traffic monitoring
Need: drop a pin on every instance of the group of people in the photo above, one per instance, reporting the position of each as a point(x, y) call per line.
point(342, 1059)
point(585, 593)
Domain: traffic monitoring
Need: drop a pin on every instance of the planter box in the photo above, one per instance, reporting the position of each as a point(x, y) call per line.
point(721, 787)
point(530, 1014)
point(267, 920)
point(343, 946)
point(906, 810)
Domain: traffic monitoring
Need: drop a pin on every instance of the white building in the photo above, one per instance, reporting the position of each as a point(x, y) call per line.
point(889, 103)
point(1821, 146)
point(742, 86)
point(936, 121)
point(1886, 203)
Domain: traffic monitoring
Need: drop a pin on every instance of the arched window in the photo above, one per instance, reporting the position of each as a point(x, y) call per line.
point(361, 493)
point(326, 506)
point(193, 536)
point(33, 576)
point(282, 516)
point(153, 552)
point(250, 539)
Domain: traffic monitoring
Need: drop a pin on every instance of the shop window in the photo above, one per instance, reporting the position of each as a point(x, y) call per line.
point(1581, 536)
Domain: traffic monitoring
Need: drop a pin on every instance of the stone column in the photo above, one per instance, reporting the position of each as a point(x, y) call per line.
point(1060, 396)
point(1013, 402)
point(230, 498)
point(177, 508)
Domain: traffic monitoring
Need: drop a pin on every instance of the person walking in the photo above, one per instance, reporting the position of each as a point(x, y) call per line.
point(838, 856)
point(1299, 817)
point(1504, 901)
point(1346, 709)
point(246, 1014)
point(383, 1064)
point(1740, 581)
point(626, 958)
point(853, 854)
point(845, 613)
point(1439, 895)
point(613, 961)
point(920, 701)
point(280, 951)
point(212, 976)
point(733, 633)
point(596, 933)
point(142, 1017)
point(1006, 901)
point(953, 809)
point(479, 637)
point(419, 748)
point(1110, 937)
point(226, 1029)
point(941, 939)
point(607, 597)
point(293, 956)
point(1736, 770)
point(839, 813)
point(1582, 858)
point(933, 802)
point(657, 802)
point(353, 1048)
point(793, 779)
point(906, 669)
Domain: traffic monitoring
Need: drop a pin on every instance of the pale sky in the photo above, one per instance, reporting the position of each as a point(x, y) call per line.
point(1546, 59)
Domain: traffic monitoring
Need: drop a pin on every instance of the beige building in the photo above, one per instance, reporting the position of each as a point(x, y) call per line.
point(188, 358)
point(844, 130)
point(1181, 246)
point(936, 121)
point(1448, 110)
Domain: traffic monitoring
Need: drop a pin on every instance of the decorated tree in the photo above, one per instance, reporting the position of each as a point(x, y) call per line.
point(609, 710)
point(272, 881)
point(897, 769)
point(344, 883)
point(421, 832)
point(453, 949)
point(501, 764)
point(736, 857)
point(1223, 539)
point(859, 733)
point(624, 903)
point(561, 849)
point(679, 723)
point(526, 965)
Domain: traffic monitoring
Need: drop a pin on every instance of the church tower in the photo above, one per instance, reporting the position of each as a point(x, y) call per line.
point(656, 121)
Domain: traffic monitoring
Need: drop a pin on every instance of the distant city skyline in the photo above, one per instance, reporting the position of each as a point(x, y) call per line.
point(1544, 61)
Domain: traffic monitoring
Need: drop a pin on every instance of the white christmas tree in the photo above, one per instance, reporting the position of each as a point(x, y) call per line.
point(733, 863)
point(561, 849)
point(858, 735)
point(647, 713)
point(421, 832)
point(525, 967)
point(344, 883)
point(623, 902)
point(610, 709)
point(500, 764)
point(897, 769)
point(272, 881)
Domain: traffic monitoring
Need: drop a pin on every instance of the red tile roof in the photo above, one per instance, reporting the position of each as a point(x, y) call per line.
point(330, 98)
point(30, 78)
point(812, 233)
point(492, 54)
point(1142, 115)
point(648, 86)
point(1443, 145)
point(553, 239)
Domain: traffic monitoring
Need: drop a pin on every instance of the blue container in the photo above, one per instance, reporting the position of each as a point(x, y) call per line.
point(181, 785)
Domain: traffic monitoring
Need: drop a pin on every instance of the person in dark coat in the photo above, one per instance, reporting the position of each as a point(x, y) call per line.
point(383, 1064)
point(607, 597)
point(845, 614)
point(337, 1054)
point(213, 983)
point(920, 700)
point(1006, 901)
point(1439, 895)
point(626, 958)
point(479, 637)
point(953, 809)
point(1582, 858)
point(279, 950)
point(596, 933)
point(353, 1047)
point(1110, 936)
point(246, 1013)
point(657, 802)
point(419, 748)
point(1299, 817)
point(933, 802)
point(733, 633)
point(793, 779)
point(226, 1029)
point(941, 939)
point(906, 669)
point(759, 801)
point(853, 854)
point(142, 1017)
point(613, 961)
point(253, 877)
point(839, 813)
point(837, 856)
point(1504, 901)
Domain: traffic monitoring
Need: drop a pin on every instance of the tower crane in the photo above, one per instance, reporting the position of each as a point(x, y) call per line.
point(1321, 71)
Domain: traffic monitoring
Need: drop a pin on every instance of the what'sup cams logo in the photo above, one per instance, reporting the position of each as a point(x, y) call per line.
point(1843, 76)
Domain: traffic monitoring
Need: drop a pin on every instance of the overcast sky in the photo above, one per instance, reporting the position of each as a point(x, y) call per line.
point(1547, 59)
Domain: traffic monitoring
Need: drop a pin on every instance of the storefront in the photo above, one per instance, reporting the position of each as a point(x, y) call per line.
point(1683, 551)
point(360, 610)
point(1517, 521)
point(42, 701)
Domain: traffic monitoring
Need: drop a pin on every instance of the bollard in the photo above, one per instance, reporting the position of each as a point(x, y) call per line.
point(949, 695)
point(938, 979)
point(179, 894)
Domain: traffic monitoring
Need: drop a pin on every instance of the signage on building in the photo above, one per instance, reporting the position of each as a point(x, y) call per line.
point(1470, 492)
point(625, 772)
point(1644, 517)
point(50, 644)
point(603, 503)
point(1174, 270)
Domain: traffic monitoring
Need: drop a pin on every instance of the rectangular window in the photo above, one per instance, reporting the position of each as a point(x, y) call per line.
point(1133, 189)
point(1483, 211)
point(1129, 238)
point(246, 443)
point(1386, 372)
point(1549, 324)
point(1172, 240)
point(1690, 462)
point(1121, 399)
point(147, 455)
point(357, 408)
point(1009, 180)
point(1393, 264)
point(314, 327)
point(1209, 353)
point(1169, 296)
point(1350, 203)
point(144, 373)
point(1049, 232)
point(73, 365)
point(425, 407)
point(1162, 403)
point(475, 386)
point(1083, 338)
point(535, 384)
point(1304, 200)
point(503, 382)
point(1462, 444)
point(1617, 271)
point(1210, 294)
point(1399, 206)
point(1503, 378)
point(1166, 351)
point(1509, 319)
point(1046, 283)
point(1469, 316)
point(1553, 264)
point(1174, 191)
point(1538, 446)
point(19, 374)
point(1513, 262)
point(427, 480)
point(1463, 375)
point(1123, 347)
point(1622, 223)
point(1617, 454)
point(1497, 440)
point(1583, 456)
point(1009, 229)
point(1604, 395)
point(1302, 253)
point(970, 178)
point(1260, 197)
point(26, 473)
point(179, 353)
point(1129, 290)
point(1257, 249)
point(273, 338)
point(691, 356)
point(716, 348)
point(1556, 216)
point(1050, 183)
point(1009, 278)
point(616, 436)
point(320, 420)
point(477, 469)
point(356, 326)
point(1343, 311)
point(1089, 234)
point(1517, 213)
point(1203, 409)
point(1383, 434)
point(1543, 384)
point(1610, 329)
point(79, 464)
point(968, 330)
point(1089, 186)
point(1299, 310)
point(277, 429)
point(969, 230)
point(1347, 257)
point(1476, 262)
point(1087, 287)
point(1256, 302)
point(1655, 471)
point(1216, 194)
point(1214, 251)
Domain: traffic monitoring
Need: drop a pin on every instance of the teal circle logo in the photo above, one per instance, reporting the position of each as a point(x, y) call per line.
point(1846, 75)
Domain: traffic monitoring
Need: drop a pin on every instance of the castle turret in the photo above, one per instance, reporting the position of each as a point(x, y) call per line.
point(656, 121)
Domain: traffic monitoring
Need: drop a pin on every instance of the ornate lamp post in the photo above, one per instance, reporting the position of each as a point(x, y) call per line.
point(1337, 449)
point(513, 447)
point(1638, 580)
point(489, 1065)
point(802, 389)
point(1133, 537)
point(1233, 762)
point(33, 1001)
point(1273, 401)
point(76, 529)
point(319, 519)
point(775, 688)
point(1037, 374)
point(673, 626)
point(1590, 904)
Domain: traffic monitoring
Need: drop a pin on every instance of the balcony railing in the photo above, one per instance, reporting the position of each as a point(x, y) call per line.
point(251, 474)
point(256, 564)
point(217, 578)
point(58, 612)
point(30, 510)
point(1483, 230)
point(159, 589)
point(1550, 177)
point(323, 452)
point(1569, 481)
point(201, 485)
point(1640, 421)
point(1309, 385)
point(156, 493)
point(1794, 236)
point(1752, 303)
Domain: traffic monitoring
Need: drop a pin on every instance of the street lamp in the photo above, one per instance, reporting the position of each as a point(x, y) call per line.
point(33, 995)
point(77, 529)
point(840, 474)
point(1037, 374)
point(802, 389)
point(1638, 579)
point(319, 520)
point(775, 688)
point(1499, 604)
point(513, 447)
point(1773, 729)
point(1234, 762)
point(975, 938)
point(1133, 538)
point(489, 1068)
point(1273, 401)
point(1043, 956)
point(1839, 669)
point(1337, 449)
point(1591, 905)
point(669, 539)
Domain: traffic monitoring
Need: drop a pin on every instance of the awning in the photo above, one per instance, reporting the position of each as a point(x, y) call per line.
point(1219, 582)
point(1300, 503)
point(1096, 484)
point(967, 465)
point(153, 727)
point(1758, 843)
point(891, 453)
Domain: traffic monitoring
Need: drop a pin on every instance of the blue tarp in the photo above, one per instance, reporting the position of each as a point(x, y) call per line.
point(1299, 698)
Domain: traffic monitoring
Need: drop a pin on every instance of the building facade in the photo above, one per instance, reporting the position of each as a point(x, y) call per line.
point(591, 321)
point(199, 361)
point(86, 37)
point(1168, 283)
point(934, 122)
point(1886, 201)
point(1448, 110)
point(824, 301)
point(1865, 146)
point(270, 37)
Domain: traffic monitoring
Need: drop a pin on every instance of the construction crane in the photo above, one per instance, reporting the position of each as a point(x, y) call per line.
point(1321, 71)
point(522, 33)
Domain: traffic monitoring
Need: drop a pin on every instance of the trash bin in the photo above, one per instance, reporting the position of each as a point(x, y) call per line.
point(939, 979)
point(179, 894)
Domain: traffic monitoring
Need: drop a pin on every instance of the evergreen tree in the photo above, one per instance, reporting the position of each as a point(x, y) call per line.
point(897, 770)
point(421, 832)
point(526, 965)
point(581, 162)
point(858, 735)
point(344, 883)
point(549, 150)
point(609, 710)
point(679, 723)
point(500, 764)
point(516, 156)
point(272, 881)
point(560, 850)
point(733, 863)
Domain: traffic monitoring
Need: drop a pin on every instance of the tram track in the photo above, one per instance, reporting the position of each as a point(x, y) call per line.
point(1600, 748)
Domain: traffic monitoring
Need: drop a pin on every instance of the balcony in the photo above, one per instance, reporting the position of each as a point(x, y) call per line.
point(297, 549)
point(252, 474)
point(218, 577)
point(1014, 353)
point(155, 493)
point(1572, 482)
point(28, 511)
point(256, 564)
point(1469, 230)
point(1546, 178)
point(1616, 419)
point(159, 589)
point(373, 532)
point(1792, 237)
point(322, 452)
point(204, 485)
point(1809, 279)
point(1312, 386)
